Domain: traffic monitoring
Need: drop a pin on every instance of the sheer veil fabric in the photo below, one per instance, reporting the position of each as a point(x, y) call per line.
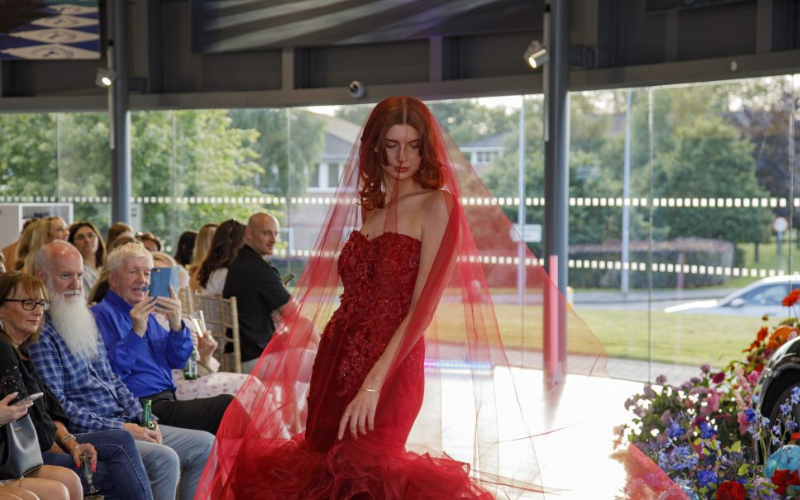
point(475, 415)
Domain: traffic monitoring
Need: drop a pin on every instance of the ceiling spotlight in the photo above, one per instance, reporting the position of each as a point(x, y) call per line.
point(536, 55)
point(105, 77)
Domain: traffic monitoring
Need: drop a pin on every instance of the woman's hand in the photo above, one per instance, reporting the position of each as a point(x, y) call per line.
point(359, 416)
point(206, 345)
point(12, 413)
point(79, 449)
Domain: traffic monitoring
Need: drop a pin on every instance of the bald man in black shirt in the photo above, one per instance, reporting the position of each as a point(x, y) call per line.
point(257, 287)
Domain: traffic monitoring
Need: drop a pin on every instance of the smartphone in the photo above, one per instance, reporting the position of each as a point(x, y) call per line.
point(286, 279)
point(161, 278)
point(32, 397)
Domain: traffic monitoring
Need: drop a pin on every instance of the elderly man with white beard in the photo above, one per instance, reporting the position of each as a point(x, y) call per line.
point(71, 359)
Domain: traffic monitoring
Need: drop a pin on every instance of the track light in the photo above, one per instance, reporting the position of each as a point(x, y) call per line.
point(105, 77)
point(536, 55)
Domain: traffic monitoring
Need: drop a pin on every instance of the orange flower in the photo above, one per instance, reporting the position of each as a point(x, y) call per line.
point(792, 298)
point(780, 336)
point(762, 334)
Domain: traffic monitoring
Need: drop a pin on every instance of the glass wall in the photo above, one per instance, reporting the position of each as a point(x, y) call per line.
point(679, 196)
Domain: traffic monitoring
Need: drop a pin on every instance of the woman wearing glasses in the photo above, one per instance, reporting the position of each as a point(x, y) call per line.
point(86, 238)
point(117, 465)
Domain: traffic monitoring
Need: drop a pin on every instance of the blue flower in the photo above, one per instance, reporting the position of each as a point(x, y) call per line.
point(795, 395)
point(706, 477)
point(675, 430)
point(706, 430)
point(750, 415)
point(786, 409)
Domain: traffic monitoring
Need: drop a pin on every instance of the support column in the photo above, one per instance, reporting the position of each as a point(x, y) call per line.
point(119, 115)
point(556, 179)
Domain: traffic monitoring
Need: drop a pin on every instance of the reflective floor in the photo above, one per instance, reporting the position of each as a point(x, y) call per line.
point(581, 413)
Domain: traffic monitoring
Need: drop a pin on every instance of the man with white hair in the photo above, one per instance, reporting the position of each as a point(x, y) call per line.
point(71, 359)
point(144, 353)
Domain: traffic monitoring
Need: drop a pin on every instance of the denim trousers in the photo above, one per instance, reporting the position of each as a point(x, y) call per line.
point(182, 456)
point(120, 472)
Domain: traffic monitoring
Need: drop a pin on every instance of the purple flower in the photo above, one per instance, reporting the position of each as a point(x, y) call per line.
point(705, 368)
point(675, 430)
point(786, 409)
point(706, 430)
point(661, 379)
point(706, 477)
point(648, 391)
point(695, 380)
point(795, 395)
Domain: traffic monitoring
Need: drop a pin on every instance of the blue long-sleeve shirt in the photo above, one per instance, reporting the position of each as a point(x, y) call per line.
point(143, 363)
point(91, 394)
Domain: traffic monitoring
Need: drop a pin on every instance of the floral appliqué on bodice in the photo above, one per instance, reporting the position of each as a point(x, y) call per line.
point(378, 275)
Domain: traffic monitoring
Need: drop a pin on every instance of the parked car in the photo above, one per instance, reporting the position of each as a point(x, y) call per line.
point(760, 298)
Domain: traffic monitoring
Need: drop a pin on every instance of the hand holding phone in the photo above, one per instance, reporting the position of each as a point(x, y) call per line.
point(160, 280)
point(29, 399)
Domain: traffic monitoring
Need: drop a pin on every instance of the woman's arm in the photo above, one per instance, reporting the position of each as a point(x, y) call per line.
point(360, 413)
point(68, 443)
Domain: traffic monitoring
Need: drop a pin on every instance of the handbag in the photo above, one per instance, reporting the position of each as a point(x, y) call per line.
point(19, 450)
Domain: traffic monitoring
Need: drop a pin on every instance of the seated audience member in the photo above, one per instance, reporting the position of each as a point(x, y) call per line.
point(210, 382)
point(228, 238)
point(150, 241)
point(24, 246)
point(47, 230)
point(142, 351)
point(119, 469)
point(257, 287)
point(98, 292)
point(117, 230)
point(183, 254)
point(201, 246)
point(71, 358)
point(10, 251)
point(86, 238)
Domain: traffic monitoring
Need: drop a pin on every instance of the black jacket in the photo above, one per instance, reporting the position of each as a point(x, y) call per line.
point(258, 290)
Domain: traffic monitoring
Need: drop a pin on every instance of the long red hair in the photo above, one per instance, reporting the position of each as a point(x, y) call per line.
point(402, 110)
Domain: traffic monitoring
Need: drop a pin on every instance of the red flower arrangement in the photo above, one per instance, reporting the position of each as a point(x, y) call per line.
point(783, 478)
point(731, 490)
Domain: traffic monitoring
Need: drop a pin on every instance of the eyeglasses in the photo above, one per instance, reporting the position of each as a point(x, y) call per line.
point(30, 304)
point(84, 236)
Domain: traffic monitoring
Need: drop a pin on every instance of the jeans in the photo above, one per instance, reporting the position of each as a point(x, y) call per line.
point(182, 456)
point(120, 472)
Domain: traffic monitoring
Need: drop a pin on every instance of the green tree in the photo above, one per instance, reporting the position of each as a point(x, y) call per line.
point(290, 142)
point(710, 160)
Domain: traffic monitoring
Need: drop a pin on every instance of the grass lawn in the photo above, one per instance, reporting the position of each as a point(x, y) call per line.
point(674, 338)
point(691, 339)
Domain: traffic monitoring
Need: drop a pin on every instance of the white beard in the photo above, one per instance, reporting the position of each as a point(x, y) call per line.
point(75, 323)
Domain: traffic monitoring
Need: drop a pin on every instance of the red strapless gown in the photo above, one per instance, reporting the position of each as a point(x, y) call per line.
point(378, 277)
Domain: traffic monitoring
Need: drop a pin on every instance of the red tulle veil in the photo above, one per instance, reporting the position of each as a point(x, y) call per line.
point(477, 407)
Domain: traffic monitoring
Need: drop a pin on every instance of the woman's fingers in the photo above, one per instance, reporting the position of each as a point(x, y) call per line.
point(6, 401)
point(343, 423)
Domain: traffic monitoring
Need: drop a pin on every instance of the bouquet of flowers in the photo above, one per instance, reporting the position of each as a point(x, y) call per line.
point(706, 435)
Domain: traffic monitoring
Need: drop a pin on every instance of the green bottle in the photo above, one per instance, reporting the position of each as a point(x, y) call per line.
point(147, 415)
point(190, 371)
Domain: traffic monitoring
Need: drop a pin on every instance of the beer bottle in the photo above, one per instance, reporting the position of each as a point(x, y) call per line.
point(147, 415)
